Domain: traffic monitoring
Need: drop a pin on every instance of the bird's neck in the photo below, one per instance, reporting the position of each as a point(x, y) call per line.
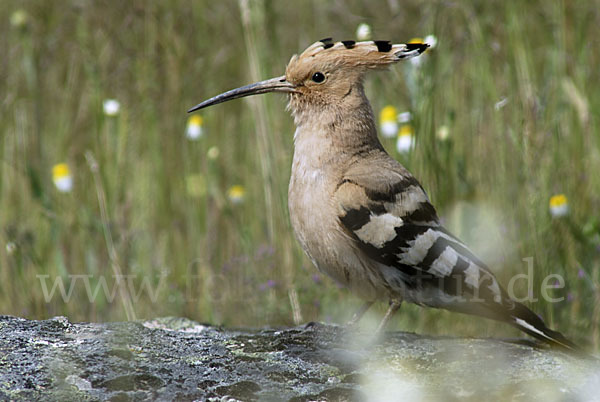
point(334, 133)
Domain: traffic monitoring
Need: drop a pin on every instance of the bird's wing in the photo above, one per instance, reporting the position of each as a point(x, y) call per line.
point(388, 215)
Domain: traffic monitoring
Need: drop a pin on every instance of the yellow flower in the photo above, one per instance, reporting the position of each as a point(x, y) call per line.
point(236, 194)
point(194, 129)
point(388, 120)
point(363, 31)
point(195, 184)
point(61, 176)
point(416, 61)
point(388, 113)
point(559, 205)
point(405, 141)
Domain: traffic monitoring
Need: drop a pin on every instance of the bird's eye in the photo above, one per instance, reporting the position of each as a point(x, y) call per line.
point(318, 77)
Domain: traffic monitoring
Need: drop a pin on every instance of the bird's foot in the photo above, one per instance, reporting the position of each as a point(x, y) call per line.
point(394, 306)
point(359, 314)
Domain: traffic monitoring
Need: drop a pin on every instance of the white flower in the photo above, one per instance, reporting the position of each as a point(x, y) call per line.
point(431, 40)
point(404, 117)
point(405, 140)
point(363, 32)
point(559, 205)
point(443, 133)
point(61, 176)
point(11, 247)
point(388, 121)
point(111, 107)
point(389, 129)
point(236, 194)
point(194, 129)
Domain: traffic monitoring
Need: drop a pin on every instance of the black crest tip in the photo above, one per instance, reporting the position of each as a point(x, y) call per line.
point(421, 47)
point(383, 45)
point(327, 43)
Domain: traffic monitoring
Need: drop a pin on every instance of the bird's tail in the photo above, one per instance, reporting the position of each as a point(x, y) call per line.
point(530, 323)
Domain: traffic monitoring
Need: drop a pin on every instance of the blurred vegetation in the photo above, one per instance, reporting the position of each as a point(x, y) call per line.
point(514, 85)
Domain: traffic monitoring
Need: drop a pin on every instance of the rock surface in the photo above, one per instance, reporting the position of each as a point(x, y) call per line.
point(178, 359)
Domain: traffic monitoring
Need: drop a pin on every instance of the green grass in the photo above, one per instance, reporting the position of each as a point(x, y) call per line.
point(238, 264)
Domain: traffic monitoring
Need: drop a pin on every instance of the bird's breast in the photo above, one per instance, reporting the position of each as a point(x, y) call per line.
point(314, 217)
point(309, 206)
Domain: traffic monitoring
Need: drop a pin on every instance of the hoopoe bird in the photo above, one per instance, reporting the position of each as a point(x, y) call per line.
point(359, 215)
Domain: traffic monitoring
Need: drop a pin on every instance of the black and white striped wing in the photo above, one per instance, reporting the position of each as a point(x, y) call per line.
point(398, 227)
point(388, 216)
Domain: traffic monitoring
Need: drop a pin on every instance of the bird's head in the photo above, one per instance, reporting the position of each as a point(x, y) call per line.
point(325, 73)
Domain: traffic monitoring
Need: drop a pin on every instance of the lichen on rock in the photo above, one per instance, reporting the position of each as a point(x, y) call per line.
point(178, 359)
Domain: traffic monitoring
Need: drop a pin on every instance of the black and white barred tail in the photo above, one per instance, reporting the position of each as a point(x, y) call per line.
point(529, 322)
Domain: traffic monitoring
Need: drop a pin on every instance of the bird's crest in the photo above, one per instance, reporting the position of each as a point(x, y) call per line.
point(377, 52)
point(357, 55)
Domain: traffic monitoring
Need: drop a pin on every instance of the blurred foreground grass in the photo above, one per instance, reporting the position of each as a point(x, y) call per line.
point(504, 112)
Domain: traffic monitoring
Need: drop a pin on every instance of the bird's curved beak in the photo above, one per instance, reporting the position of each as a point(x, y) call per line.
point(278, 84)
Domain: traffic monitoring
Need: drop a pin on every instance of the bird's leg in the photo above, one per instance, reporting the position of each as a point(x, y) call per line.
point(394, 306)
point(359, 313)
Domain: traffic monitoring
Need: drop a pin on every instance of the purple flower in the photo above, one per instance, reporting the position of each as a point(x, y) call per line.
point(267, 285)
point(581, 273)
point(316, 278)
point(556, 284)
point(570, 297)
point(264, 250)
